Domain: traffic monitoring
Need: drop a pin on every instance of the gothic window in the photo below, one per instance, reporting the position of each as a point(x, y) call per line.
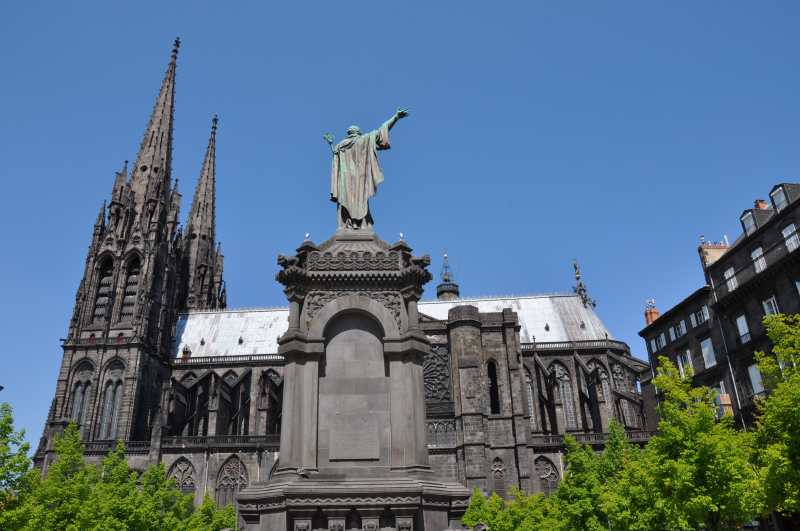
point(494, 390)
point(547, 474)
point(620, 383)
point(131, 285)
point(529, 393)
point(182, 472)
point(274, 392)
point(112, 400)
point(499, 477)
point(604, 388)
point(80, 391)
point(240, 407)
point(102, 299)
point(231, 479)
point(564, 385)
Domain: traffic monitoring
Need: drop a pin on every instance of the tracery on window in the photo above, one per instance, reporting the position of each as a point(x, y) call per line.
point(182, 471)
point(112, 401)
point(81, 387)
point(547, 473)
point(231, 479)
point(564, 385)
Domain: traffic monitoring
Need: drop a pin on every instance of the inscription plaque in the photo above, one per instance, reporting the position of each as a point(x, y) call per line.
point(354, 436)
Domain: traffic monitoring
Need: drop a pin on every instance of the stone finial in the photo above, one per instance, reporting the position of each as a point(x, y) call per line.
point(448, 289)
point(580, 287)
point(175, 47)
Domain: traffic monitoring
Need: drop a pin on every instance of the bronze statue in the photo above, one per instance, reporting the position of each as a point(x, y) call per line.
point(356, 174)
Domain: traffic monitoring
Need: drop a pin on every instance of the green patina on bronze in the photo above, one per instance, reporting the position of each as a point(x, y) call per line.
point(356, 173)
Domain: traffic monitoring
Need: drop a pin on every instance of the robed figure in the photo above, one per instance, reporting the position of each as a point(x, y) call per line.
point(356, 173)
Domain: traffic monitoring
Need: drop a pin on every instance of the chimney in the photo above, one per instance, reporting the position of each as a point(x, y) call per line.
point(651, 313)
point(760, 204)
point(710, 251)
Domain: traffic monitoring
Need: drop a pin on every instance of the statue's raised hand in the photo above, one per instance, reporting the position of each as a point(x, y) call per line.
point(401, 113)
point(328, 138)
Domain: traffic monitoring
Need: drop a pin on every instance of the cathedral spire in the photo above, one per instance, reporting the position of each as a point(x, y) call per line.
point(151, 172)
point(202, 215)
point(204, 258)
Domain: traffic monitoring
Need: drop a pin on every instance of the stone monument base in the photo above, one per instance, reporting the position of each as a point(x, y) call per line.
point(399, 503)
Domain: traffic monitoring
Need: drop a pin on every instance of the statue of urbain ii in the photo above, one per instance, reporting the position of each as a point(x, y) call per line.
point(356, 174)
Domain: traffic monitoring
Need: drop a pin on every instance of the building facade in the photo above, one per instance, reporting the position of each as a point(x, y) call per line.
point(154, 358)
point(717, 329)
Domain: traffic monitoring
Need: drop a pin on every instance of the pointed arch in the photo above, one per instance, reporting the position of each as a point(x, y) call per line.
point(604, 389)
point(231, 479)
point(130, 287)
point(81, 387)
point(273, 391)
point(494, 389)
point(563, 382)
point(499, 477)
point(182, 471)
point(112, 399)
point(547, 473)
point(103, 290)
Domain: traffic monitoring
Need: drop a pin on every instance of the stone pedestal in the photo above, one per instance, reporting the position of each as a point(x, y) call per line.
point(353, 438)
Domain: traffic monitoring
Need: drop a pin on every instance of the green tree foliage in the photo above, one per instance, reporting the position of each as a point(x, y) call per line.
point(14, 462)
point(521, 513)
point(75, 495)
point(695, 474)
point(778, 434)
point(578, 500)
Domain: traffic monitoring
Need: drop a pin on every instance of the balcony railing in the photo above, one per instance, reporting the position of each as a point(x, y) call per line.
point(557, 441)
point(597, 344)
point(757, 267)
point(226, 360)
point(268, 442)
point(104, 447)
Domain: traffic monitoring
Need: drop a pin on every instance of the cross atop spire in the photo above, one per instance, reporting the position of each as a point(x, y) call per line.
point(151, 172)
point(203, 213)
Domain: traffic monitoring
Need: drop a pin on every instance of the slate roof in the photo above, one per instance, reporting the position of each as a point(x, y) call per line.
point(256, 331)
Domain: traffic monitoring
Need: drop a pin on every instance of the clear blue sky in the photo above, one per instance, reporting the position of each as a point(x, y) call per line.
point(615, 133)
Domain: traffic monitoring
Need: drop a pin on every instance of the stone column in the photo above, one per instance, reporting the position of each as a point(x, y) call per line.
point(465, 340)
point(300, 402)
point(408, 436)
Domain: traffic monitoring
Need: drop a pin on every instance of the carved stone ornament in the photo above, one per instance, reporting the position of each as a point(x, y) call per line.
point(354, 261)
point(390, 299)
point(302, 526)
point(183, 474)
point(436, 370)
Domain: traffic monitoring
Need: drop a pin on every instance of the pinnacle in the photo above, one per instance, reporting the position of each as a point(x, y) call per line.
point(153, 166)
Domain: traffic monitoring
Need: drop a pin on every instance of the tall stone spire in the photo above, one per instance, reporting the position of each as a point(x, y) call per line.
point(153, 167)
point(203, 256)
point(203, 212)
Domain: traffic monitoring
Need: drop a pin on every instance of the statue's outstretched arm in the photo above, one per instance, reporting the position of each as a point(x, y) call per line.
point(329, 139)
point(401, 113)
